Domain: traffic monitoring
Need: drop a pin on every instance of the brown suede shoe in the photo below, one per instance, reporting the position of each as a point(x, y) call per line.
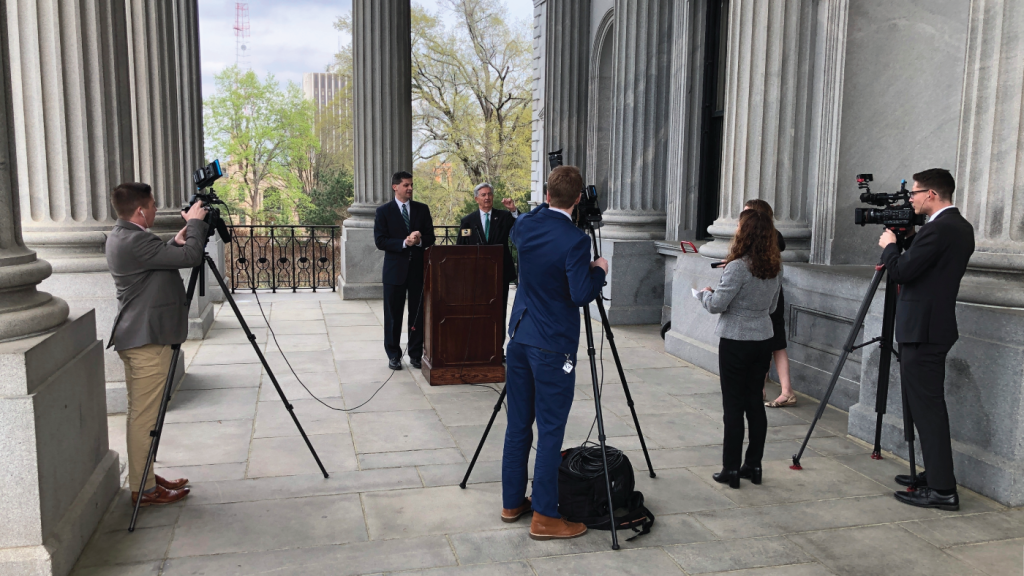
point(515, 513)
point(160, 495)
point(548, 528)
point(171, 484)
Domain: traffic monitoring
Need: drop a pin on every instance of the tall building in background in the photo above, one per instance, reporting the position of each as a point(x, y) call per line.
point(328, 92)
point(242, 45)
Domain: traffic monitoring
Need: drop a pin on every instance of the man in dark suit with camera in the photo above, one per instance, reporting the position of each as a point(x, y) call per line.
point(403, 229)
point(929, 274)
point(487, 226)
point(556, 278)
point(151, 317)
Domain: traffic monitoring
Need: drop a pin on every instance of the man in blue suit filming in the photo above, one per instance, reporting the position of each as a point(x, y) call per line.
point(556, 278)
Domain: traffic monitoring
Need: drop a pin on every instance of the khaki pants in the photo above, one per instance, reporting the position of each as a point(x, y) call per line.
point(145, 374)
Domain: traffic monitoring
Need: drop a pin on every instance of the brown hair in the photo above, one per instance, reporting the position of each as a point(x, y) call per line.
point(128, 196)
point(761, 206)
point(938, 179)
point(757, 241)
point(565, 183)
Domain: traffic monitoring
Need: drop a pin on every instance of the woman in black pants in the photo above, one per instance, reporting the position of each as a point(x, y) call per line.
point(746, 295)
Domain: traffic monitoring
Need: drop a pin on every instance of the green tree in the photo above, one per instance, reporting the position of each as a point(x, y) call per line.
point(329, 199)
point(260, 130)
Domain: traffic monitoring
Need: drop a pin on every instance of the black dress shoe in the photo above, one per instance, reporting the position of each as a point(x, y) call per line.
point(730, 477)
point(752, 473)
point(415, 363)
point(928, 498)
point(904, 480)
point(395, 364)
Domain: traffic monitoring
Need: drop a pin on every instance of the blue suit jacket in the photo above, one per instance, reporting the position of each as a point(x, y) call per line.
point(555, 280)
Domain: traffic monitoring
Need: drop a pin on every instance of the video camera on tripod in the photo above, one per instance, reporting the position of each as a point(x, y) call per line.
point(204, 178)
point(588, 211)
point(897, 213)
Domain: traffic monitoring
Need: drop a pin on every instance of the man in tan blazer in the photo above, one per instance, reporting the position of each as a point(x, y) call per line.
point(152, 315)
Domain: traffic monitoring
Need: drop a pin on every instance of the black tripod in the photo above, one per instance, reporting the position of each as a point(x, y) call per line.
point(589, 228)
point(198, 276)
point(885, 340)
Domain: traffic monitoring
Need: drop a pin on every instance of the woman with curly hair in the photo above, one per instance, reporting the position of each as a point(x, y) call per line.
point(745, 297)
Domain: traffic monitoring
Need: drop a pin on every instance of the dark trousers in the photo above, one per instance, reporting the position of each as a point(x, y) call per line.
point(394, 302)
point(538, 389)
point(923, 373)
point(742, 365)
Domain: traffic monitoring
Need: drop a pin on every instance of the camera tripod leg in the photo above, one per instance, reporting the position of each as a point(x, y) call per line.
point(600, 422)
point(252, 340)
point(908, 433)
point(847, 348)
point(480, 446)
point(622, 378)
point(885, 361)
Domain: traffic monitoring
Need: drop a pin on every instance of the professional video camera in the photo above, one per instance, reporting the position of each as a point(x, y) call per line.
point(203, 178)
point(588, 211)
point(897, 215)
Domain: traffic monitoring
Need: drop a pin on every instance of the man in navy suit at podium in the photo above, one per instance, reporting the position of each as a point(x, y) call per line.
point(403, 229)
point(556, 278)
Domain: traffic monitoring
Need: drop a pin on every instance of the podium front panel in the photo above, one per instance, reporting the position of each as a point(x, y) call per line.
point(463, 319)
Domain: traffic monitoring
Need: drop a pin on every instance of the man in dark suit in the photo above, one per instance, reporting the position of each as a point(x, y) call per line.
point(403, 229)
point(151, 317)
point(556, 278)
point(488, 226)
point(929, 274)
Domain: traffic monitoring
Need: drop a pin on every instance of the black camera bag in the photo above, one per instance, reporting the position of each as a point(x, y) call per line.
point(585, 499)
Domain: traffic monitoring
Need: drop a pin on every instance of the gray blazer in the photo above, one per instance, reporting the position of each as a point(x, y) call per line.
point(150, 292)
point(744, 303)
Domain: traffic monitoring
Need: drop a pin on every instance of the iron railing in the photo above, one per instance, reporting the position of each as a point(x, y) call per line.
point(283, 257)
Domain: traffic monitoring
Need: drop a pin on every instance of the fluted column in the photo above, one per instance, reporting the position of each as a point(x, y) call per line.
point(23, 309)
point(990, 167)
point(635, 207)
point(767, 114)
point(382, 117)
point(566, 78)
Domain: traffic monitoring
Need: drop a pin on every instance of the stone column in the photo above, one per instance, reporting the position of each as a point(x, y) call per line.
point(59, 473)
point(990, 168)
point(566, 79)
point(767, 114)
point(382, 102)
point(634, 204)
point(538, 158)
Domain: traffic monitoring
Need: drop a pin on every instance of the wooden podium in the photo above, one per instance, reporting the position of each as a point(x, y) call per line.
point(462, 316)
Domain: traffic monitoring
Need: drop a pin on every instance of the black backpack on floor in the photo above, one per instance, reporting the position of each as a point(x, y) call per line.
point(583, 495)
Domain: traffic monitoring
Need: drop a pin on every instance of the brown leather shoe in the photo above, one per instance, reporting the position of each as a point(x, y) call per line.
point(171, 484)
point(514, 514)
point(548, 528)
point(160, 495)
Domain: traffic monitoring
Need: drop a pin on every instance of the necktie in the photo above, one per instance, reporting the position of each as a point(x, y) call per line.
point(487, 227)
point(405, 216)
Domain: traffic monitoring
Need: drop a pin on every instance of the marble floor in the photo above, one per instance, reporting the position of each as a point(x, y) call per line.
point(392, 503)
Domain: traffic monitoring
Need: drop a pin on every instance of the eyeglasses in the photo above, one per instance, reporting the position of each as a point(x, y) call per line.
point(915, 192)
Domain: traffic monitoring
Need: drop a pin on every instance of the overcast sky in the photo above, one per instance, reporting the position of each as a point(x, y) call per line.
point(287, 37)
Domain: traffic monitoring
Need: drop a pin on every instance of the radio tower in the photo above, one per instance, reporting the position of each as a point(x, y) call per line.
point(242, 35)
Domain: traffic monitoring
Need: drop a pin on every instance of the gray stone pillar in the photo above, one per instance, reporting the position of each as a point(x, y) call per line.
point(538, 158)
point(82, 73)
point(382, 102)
point(566, 79)
point(767, 114)
point(59, 473)
point(990, 169)
point(634, 205)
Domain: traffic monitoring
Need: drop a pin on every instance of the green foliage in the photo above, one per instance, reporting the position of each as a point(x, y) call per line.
point(267, 138)
point(329, 199)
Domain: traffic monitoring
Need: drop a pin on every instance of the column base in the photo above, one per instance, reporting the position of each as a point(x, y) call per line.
point(60, 474)
point(692, 336)
point(635, 283)
point(200, 323)
point(361, 263)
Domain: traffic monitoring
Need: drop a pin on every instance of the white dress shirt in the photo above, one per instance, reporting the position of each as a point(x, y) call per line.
point(568, 213)
point(932, 217)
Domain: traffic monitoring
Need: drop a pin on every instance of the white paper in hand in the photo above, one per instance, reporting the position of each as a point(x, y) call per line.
point(696, 293)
